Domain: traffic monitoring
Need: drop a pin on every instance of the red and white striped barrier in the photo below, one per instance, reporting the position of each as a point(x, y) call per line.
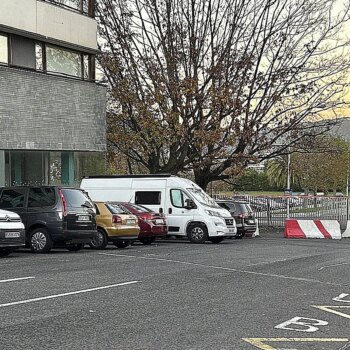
point(312, 229)
point(346, 233)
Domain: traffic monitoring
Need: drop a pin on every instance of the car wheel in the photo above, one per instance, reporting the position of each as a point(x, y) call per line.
point(5, 252)
point(75, 247)
point(147, 240)
point(216, 240)
point(40, 241)
point(197, 233)
point(99, 241)
point(121, 244)
point(240, 235)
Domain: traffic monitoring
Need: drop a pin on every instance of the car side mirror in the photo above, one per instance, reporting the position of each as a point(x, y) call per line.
point(190, 204)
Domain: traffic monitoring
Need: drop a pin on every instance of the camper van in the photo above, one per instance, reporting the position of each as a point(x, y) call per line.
point(188, 209)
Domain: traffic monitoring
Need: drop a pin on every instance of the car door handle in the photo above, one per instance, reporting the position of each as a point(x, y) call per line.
point(170, 211)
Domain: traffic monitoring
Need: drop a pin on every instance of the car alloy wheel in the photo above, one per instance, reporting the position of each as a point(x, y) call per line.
point(38, 241)
point(197, 233)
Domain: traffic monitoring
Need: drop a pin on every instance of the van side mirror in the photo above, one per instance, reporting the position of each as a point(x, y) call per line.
point(190, 204)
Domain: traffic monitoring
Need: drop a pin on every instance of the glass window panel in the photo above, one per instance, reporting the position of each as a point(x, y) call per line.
point(3, 49)
point(41, 197)
point(86, 67)
point(39, 56)
point(147, 197)
point(12, 198)
point(63, 61)
point(75, 4)
point(22, 51)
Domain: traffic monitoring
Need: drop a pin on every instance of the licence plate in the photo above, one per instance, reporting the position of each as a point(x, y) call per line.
point(83, 218)
point(160, 222)
point(251, 222)
point(130, 222)
point(12, 235)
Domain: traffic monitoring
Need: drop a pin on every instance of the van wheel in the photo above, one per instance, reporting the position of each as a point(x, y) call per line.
point(147, 240)
point(5, 252)
point(75, 247)
point(121, 244)
point(100, 240)
point(40, 241)
point(216, 240)
point(197, 233)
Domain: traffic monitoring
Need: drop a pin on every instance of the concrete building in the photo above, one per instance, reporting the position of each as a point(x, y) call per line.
point(52, 112)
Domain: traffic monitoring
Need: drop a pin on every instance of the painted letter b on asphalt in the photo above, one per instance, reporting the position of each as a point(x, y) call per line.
point(302, 324)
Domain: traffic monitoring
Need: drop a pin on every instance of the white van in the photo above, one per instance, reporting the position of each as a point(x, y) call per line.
point(189, 210)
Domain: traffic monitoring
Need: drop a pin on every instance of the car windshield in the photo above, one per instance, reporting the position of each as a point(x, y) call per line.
point(202, 197)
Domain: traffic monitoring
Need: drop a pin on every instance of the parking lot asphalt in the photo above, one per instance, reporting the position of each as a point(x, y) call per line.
point(262, 293)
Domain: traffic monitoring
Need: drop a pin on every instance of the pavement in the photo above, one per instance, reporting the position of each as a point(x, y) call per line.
point(261, 293)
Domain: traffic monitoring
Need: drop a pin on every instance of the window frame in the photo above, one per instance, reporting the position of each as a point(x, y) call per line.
point(7, 36)
point(182, 198)
point(91, 7)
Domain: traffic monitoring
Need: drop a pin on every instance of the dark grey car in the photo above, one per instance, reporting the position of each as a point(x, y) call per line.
point(53, 216)
point(243, 215)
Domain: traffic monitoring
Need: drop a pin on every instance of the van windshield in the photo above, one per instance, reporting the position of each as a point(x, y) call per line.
point(202, 197)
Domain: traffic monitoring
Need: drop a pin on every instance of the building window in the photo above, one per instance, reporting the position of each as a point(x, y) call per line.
point(59, 60)
point(86, 7)
point(27, 53)
point(3, 49)
point(22, 52)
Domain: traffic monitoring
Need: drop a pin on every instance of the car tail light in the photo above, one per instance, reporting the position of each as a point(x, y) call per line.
point(64, 203)
point(145, 218)
point(116, 219)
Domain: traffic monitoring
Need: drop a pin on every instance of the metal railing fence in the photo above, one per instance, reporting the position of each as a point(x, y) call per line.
point(271, 211)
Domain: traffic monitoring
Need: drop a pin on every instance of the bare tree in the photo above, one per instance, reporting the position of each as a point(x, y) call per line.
point(210, 86)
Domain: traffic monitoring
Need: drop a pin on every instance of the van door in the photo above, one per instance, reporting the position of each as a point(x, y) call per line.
point(177, 214)
point(149, 193)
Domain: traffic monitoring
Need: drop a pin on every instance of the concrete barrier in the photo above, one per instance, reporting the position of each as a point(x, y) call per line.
point(312, 229)
point(256, 233)
point(346, 233)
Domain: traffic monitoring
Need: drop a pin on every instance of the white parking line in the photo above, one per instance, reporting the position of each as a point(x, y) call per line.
point(16, 279)
point(66, 294)
point(229, 269)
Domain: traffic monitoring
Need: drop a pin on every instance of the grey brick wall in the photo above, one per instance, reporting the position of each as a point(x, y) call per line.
point(45, 112)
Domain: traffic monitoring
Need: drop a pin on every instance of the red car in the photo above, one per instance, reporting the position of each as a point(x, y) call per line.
point(151, 224)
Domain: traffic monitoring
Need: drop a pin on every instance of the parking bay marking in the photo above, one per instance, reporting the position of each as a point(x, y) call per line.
point(331, 310)
point(260, 343)
point(17, 279)
point(227, 269)
point(67, 294)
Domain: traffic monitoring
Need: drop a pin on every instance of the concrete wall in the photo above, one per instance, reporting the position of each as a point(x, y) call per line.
point(45, 112)
point(50, 21)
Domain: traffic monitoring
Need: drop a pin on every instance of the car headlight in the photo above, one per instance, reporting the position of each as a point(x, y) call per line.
point(213, 213)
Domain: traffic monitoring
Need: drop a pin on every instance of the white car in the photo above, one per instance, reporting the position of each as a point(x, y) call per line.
point(12, 232)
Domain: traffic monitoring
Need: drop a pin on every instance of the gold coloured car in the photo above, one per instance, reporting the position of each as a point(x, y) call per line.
point(114, 224)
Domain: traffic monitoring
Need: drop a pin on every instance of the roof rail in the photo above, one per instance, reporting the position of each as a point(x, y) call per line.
point(127, 176)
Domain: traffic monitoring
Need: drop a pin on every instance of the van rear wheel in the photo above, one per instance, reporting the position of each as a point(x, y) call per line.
point(40, 241)
point(197, 233)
